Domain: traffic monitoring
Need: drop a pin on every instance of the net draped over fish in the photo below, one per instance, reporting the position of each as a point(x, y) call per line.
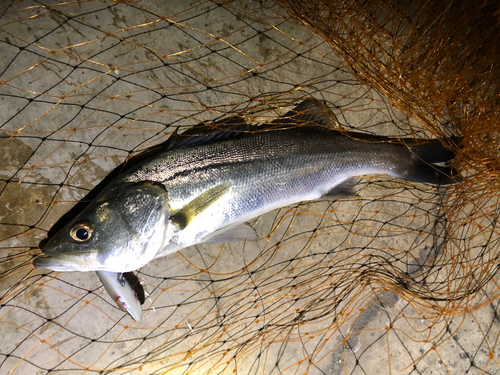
point(401, 278)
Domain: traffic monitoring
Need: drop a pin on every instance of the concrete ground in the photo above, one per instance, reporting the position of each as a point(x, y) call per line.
point(324, 291)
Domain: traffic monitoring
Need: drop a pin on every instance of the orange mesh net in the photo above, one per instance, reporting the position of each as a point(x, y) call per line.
point(400, 279)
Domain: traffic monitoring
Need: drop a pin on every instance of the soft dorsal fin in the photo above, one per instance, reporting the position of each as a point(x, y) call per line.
point(311, 112)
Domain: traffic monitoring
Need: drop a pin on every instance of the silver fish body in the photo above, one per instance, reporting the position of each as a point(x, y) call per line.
point(267, 170)
point(223, 184)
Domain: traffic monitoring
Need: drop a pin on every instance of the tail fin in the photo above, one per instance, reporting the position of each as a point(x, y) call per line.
point(424, 158)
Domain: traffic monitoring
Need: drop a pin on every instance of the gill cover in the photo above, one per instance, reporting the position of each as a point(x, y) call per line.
point(120, 231)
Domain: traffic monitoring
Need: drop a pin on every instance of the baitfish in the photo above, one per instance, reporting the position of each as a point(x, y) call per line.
point(207, 188)
point(123, 290)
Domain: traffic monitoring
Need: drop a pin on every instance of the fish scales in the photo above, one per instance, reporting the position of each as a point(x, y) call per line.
point(268, 170)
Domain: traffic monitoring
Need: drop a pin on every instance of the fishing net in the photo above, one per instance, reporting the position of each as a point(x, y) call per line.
point(402, 278)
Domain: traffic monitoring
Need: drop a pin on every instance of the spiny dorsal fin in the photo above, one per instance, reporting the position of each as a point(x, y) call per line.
point(187, 213)
point(200, 134)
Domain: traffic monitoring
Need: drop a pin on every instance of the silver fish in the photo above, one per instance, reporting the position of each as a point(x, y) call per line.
point(205, 192)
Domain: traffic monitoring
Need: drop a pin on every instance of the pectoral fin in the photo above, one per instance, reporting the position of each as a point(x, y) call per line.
point(242, 232)
point(187, 213)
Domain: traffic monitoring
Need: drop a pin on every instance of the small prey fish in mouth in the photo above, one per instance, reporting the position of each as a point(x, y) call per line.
point(207, 188)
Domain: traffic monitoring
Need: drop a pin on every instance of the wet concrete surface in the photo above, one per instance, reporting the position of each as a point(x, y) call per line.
point(85, 84)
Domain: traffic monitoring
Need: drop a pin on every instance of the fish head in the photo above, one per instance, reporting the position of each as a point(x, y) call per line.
point(120, 231)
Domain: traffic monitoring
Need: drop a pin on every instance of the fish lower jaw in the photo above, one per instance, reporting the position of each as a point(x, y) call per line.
point(66, 263)
point(55, 264)
point(60, 265)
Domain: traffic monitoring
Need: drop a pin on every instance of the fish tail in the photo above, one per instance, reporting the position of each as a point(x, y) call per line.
point(433, 151)
point(424, 169)
point(434, 174)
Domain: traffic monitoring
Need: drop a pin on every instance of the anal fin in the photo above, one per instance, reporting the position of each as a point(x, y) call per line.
point(343, 190)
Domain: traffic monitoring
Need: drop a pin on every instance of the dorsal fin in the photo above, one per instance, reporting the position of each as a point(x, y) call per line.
point(311, 112)
point(232, 127)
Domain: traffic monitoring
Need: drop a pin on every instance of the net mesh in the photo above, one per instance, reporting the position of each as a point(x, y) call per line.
point(401, 278)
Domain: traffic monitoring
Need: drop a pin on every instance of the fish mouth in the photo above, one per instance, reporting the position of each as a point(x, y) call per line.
point(60, 262)
point(55, 264)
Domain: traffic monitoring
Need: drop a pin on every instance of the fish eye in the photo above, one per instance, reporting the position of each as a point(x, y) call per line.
point(82, 232)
